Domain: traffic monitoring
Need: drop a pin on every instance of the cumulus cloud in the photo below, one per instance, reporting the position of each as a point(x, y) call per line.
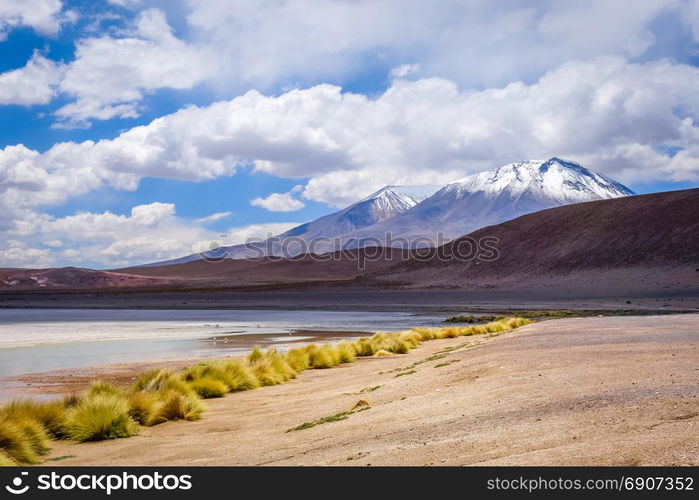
point(474, 42)
point(41, 15)
point(26, 257)
point(233, 46)
point(111, 74)
point(612, 115)
point(280, 202)
point(34, 83)
point(148, 233)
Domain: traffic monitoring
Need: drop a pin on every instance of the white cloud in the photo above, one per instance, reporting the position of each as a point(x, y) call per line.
point(612, 115)
point(404, 70)
point(110, 75)
point(91, 227)
point(255, 232)
point(233, 46)
point(26, 257)
point(280, 202)
point(35, 83)
point(473, 42)
point(41, 15)
point(213, 217)
point(148, 233)
point(127, 4)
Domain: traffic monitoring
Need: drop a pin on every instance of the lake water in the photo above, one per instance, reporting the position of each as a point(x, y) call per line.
point(38, 340)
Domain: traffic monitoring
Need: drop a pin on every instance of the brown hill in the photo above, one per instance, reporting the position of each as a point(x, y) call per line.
point(341, 265)
point(70, 278)
point(648, 240)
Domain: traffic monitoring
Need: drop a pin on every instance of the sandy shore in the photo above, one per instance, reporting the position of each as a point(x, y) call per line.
point(597, 391)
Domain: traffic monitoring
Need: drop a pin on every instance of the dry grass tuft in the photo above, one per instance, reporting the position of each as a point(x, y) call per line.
point(50, 414)
point(162, 381)
point(177, 406)
point(100, 416)
point(142, 406)
point(208, 387)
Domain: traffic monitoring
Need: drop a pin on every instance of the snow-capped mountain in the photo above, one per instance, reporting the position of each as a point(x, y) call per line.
point(551, 181)
point(380, 206)
point(498, 195)
point(451, 211)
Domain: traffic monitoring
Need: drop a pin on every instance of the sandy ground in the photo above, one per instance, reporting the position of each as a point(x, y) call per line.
point(593, 391)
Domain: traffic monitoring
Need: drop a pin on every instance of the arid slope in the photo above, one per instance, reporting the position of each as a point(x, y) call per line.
point(638, 241)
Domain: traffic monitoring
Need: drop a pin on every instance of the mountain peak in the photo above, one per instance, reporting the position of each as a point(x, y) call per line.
point(412, 193)
point(557, 180)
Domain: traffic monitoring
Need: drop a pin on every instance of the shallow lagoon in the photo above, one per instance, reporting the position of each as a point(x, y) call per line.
point(38, 340)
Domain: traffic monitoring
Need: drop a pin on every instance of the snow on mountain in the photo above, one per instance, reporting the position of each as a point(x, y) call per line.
point(553, 180)
point(498, 195)
point(439, 212)
point(380, 206)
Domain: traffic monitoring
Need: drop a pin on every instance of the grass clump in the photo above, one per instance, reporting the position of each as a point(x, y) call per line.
point(50, 414)
point(159, 380)
point(142, 406)
point(269, 367)
point(239, 376)
point(391, 342)
point(177, 406)
point(209, 387)
point(100, 416)
point(16, 444)
point(409, 372)
point(364, 347)
point(23, 440)
point(321, 357)
point(345, 352)
point(299, 359)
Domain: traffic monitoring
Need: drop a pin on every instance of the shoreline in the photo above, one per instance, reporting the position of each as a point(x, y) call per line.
point(64, 381)
point(349, 299)
point(577, 391)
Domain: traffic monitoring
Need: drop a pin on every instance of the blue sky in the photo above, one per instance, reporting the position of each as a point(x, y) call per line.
point(134, 131)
